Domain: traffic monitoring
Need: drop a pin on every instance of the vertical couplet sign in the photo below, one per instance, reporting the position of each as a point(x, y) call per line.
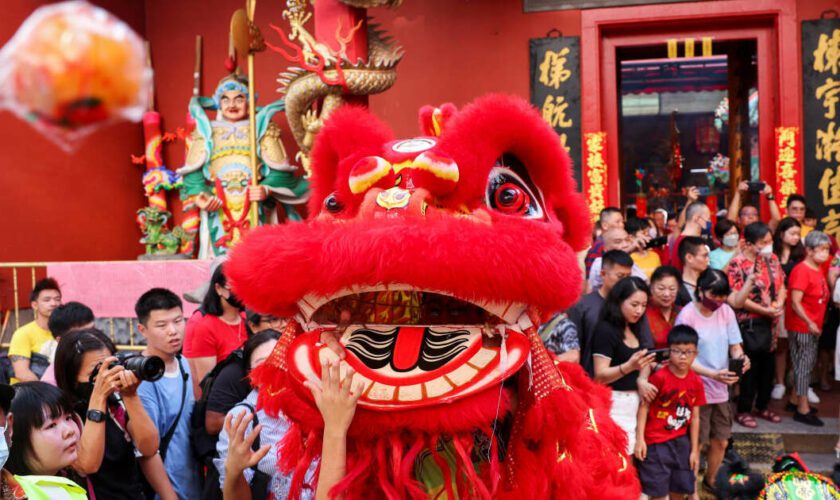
point(821, 110)
point(555, 90)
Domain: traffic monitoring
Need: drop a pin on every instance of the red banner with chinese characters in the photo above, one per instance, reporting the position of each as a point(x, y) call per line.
point(788, 154)
point(595, 171)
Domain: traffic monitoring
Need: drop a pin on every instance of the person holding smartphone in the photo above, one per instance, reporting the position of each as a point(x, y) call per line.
point(719, 339)
point(620, 351)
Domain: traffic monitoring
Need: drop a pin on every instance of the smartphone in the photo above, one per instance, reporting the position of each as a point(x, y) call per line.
point(661, 354)
point(657, 242)
point(755, 187)
point(736, 366)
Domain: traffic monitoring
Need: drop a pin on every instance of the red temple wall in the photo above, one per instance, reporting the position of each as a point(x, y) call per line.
point(58, 206)
point(81, 206)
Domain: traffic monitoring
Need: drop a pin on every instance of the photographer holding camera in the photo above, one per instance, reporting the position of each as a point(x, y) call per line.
point(104, 395)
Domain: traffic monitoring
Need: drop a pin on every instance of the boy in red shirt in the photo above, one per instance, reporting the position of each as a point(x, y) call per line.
point(668, 455)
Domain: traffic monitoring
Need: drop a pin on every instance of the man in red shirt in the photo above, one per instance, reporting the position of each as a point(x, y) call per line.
point(668, 455)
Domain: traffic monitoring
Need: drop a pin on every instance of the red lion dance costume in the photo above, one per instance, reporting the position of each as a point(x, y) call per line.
point(435, 257)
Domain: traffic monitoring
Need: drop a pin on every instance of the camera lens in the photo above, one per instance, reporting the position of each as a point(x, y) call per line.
point(147, 368)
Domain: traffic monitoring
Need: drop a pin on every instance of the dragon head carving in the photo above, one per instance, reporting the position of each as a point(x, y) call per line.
point(433, 257)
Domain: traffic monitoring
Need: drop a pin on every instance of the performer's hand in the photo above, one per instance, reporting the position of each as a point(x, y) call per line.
point(240, 455)
point(207, 202)
point(257, 193)
point(336, 399)
point(641, 449)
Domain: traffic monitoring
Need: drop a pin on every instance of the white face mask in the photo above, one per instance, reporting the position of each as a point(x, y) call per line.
point(730, 240)
point(4, 447)
point(766, 251)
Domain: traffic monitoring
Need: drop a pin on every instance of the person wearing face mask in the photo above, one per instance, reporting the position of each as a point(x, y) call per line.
point(45, 431)
point(215, 330)
point(31, 441)
point(804, 318)
point(719, 340)
point(727, 233)
point(758, 319)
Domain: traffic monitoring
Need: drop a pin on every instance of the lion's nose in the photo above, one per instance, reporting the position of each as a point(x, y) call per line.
point(395, 202)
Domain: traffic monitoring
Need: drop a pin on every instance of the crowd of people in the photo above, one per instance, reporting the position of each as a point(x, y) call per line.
point(697, 321)
point(694, 323)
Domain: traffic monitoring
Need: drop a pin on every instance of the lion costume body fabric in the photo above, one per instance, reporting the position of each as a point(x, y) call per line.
point(435, 258)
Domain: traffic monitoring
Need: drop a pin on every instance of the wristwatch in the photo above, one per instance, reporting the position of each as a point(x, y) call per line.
point(770, 197)
point(96, 416)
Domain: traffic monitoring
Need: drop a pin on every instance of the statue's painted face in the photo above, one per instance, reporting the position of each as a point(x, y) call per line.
point(234, 106)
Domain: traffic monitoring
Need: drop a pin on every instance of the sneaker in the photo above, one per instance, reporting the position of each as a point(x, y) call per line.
point(778, 391)
point(809, 419)
point(812, 397)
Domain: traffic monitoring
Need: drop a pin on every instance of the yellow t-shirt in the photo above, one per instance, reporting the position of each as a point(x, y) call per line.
point(28, 339)
point(804, 230)
point(648, 263)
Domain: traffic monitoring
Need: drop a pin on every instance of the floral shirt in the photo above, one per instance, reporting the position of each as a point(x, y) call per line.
point(762, 293)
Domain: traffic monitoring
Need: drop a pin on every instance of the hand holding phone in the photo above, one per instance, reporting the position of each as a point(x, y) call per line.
point(755, 187)
point(736, 366)
point(661, 354)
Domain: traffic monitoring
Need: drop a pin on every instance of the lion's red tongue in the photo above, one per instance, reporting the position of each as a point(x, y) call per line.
point(407, 347)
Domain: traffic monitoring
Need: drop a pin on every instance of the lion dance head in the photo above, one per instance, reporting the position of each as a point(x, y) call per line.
point(435, 258)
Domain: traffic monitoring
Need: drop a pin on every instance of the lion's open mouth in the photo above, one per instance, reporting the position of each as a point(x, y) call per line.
point(412, 347)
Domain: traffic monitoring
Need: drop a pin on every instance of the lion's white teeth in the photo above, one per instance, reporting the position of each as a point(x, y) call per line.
point(381, 392)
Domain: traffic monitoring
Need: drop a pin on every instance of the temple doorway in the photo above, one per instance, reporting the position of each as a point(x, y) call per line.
point(675, 124)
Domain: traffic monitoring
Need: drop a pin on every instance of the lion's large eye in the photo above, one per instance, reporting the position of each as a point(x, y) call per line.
point(509, 194)
point(332, 204)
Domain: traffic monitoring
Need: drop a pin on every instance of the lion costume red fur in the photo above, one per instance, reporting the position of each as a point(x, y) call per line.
point(434, 258)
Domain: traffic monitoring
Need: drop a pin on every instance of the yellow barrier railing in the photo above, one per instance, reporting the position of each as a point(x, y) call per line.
point(21, 268)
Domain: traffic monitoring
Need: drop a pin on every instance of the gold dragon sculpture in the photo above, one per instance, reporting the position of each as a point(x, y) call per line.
point(322, 78)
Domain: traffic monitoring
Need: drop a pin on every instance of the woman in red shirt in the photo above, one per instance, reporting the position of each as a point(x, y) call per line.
point(804, 318)
point(215, 330)
point(662, 309)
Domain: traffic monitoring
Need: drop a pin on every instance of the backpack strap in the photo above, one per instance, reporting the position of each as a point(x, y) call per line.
point(165, 440)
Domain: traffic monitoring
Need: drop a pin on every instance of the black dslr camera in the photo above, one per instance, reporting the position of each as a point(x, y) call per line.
point(146, 368)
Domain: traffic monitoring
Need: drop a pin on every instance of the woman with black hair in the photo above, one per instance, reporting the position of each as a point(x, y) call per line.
point(787, 245)
point(719, 340)
point(620, 352)
point(104, 396)
point(662, 308)
point(46, 442)
point(215, 330)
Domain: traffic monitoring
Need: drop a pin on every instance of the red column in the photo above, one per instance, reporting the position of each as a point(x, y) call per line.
point(331, 17)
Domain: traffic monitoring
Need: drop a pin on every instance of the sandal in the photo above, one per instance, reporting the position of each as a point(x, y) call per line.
point(769, 415)
point(746, 420)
